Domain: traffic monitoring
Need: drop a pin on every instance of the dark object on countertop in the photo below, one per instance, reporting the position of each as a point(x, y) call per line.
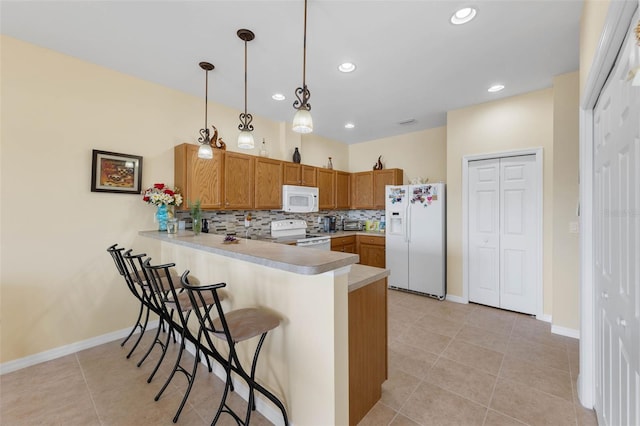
point(296, 156)
point(205, 226)
point(378, 165)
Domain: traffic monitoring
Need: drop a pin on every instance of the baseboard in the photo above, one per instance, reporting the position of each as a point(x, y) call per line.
point(563, 331)
point(544, 317)
point(28, 361)
point(457, 299)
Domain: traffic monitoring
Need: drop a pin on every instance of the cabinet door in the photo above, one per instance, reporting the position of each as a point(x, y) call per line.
point(362, 190)
point(382, 178)
point(238, 181)
point(268, 183)
point(342, 190)
point(308, 175)
point(326, 189)
point(371, 250)
point(291, 173)
point(198, 179)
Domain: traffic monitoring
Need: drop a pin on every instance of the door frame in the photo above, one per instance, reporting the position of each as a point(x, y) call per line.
point(539, 226)
point(614, 31)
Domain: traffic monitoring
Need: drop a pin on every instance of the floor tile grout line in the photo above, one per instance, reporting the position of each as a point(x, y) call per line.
point(86, 383)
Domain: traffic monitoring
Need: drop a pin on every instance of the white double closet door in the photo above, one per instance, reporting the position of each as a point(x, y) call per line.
point(616, 195)
point(502, 232)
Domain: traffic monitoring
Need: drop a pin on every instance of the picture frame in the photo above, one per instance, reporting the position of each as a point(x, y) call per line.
point(116, 172)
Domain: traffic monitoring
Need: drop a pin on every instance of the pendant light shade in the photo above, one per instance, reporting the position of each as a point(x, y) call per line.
point(245, 139)
point(205, 151)
point(302, 122)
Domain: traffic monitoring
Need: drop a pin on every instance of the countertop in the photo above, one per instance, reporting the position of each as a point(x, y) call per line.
point(349, 233)
point(305, 261)
point(362, 275)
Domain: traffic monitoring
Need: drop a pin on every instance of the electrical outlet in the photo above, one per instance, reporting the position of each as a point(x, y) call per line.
point(574, 227)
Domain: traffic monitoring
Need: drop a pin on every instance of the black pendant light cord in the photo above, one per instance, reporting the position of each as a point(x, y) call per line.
point(204, 132)
point(302, 93)
point(245, 119)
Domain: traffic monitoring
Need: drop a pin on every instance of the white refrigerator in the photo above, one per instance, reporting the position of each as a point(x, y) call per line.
point(416, 238)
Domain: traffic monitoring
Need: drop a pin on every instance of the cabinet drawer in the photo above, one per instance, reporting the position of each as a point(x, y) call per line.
point(370, 239)
point(340, 241)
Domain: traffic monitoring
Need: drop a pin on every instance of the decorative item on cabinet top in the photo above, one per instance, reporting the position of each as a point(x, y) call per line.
point(296, 156)
point(378, 165)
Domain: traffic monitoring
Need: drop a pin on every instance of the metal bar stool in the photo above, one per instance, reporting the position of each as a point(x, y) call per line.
point(232, 327)
point(176, 309)
point(116, 254)
point(134, 263)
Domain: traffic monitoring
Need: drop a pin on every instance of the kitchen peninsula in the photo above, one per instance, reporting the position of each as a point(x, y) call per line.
point(328, 358)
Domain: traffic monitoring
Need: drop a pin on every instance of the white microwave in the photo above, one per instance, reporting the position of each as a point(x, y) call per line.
point(299, 199)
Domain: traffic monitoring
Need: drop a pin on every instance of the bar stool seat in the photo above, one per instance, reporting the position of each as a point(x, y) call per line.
point(246, 323)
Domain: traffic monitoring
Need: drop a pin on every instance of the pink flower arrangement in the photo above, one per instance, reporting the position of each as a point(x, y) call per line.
point(160, 195)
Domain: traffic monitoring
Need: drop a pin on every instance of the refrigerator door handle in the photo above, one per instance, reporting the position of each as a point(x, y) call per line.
point(407, 226)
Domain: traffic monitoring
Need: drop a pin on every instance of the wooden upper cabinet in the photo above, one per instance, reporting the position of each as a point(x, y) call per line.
point(326, 189)
point(198, 179)
point(309, 175)
point(238, 180)
point(381, 178)
point(299, 174)
point(342, 190)
point(268, 184)
point(362, 190)
point(368, 188)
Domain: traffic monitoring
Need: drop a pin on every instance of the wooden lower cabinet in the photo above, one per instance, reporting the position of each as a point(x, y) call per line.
point(371, 250)
point(367, 347)
point(344, 244)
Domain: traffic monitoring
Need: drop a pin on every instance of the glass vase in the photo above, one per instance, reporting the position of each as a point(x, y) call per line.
point(196, 225)
point(162, 215)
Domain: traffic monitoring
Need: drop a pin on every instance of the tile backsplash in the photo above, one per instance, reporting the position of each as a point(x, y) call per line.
point(232, 221)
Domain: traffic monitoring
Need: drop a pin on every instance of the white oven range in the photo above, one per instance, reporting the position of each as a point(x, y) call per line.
point(296, 229)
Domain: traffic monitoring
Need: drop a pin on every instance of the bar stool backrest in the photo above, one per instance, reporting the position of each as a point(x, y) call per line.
point(199, 296)
point(167, 293)
point(121, 266)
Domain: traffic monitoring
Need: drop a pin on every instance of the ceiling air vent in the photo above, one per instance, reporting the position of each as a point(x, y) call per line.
point(406, 122)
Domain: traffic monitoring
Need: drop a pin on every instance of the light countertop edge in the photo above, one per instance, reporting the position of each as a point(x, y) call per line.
point(278, 256)
point(362, 275)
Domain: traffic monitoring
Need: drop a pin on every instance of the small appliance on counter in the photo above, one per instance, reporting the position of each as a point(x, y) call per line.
point(329, 224)
point(352, 225)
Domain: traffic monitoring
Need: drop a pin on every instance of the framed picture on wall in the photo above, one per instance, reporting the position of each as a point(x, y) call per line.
point(114, 172)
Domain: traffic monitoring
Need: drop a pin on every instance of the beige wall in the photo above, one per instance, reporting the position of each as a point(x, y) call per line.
point(566, 249)
point(58, 285)
point(594, 13)
point(524, 121)
point(420, 154)
point(316, 150)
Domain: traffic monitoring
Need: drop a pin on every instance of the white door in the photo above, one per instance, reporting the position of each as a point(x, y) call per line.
point(502, 232)
point(518, 234)
point(617, 243)
point(484, 232)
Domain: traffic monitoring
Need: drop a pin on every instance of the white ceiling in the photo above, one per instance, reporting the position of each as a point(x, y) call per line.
point(412, 63)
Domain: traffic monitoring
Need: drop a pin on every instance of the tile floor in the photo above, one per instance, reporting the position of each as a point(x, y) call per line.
point(449, 364)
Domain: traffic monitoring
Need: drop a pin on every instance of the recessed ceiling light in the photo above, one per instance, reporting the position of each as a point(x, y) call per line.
point(347, 67)
point(349, 126)
point(464, 15)
point(278, 97)
point(495, 88)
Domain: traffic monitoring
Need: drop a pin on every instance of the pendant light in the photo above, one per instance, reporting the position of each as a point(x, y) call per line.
point(205, 151)
point(302, 122)
point(245, 139)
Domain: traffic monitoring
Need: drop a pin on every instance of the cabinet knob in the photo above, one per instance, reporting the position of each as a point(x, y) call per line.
point(604, 295)
point(621, 322)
